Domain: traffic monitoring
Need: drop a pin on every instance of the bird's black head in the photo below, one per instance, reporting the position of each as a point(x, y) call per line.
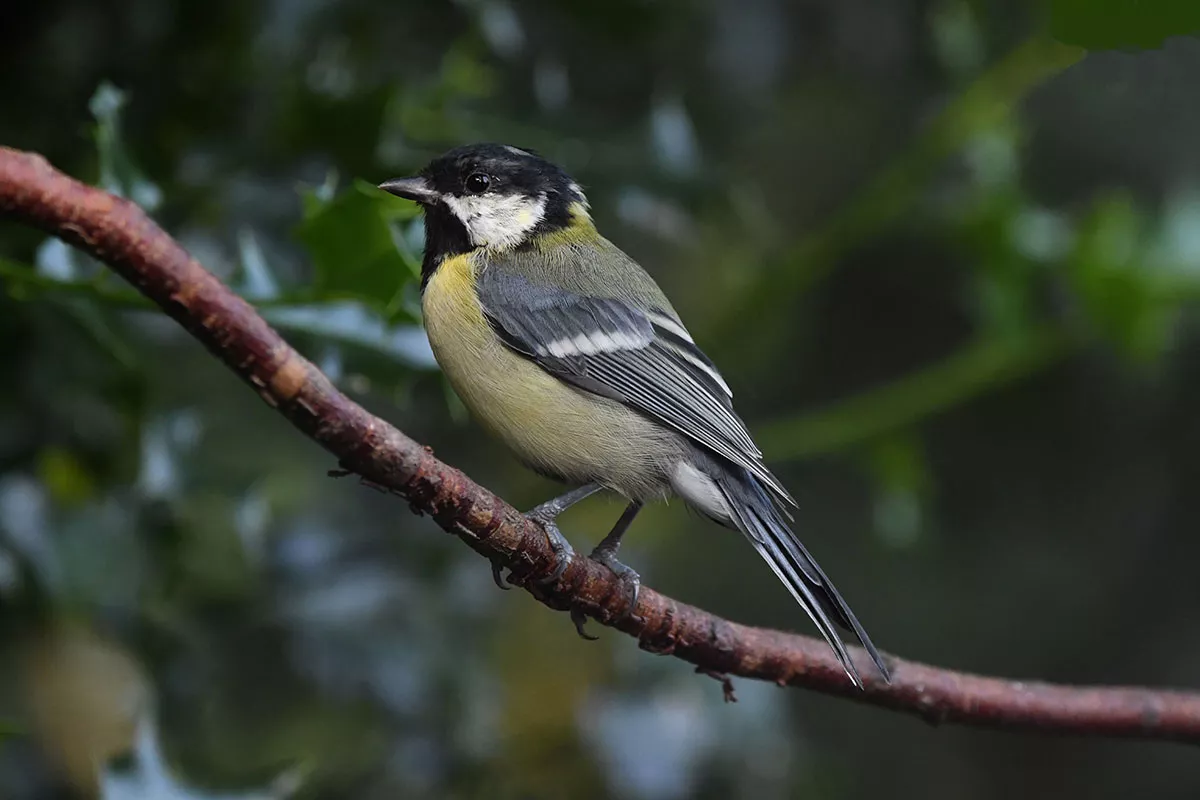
point(489, 195)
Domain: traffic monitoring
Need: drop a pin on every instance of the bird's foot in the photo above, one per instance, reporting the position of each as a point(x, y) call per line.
point(630, 581)
point(563, 552)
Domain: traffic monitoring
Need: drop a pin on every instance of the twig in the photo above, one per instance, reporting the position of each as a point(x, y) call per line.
point(118, 233)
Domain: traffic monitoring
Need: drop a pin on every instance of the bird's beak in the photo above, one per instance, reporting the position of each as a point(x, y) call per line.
point(415, 188)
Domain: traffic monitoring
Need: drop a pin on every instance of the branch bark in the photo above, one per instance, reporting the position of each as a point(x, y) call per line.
point(120, 234)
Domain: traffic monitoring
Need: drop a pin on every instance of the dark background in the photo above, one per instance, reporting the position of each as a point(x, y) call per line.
point(945, 260)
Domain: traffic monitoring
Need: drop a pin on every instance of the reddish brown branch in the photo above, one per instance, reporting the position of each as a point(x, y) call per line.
point(120, 234)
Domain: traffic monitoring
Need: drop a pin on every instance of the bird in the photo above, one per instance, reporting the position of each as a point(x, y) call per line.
point(564, 347)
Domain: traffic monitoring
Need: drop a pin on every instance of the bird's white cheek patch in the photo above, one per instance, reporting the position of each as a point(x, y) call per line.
point(499, 221)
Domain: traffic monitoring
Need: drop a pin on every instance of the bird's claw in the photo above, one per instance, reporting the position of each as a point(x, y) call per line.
point(580, 620)
point(629, 579)
point(563, 552)
point(498, 577)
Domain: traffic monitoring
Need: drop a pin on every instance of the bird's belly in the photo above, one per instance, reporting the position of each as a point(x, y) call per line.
point(554, 428)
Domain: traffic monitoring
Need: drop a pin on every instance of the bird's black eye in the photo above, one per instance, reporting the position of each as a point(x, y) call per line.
point(478, 182)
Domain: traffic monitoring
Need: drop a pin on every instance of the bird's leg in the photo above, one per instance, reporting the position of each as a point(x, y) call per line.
point(546, 514)
point(606, 554)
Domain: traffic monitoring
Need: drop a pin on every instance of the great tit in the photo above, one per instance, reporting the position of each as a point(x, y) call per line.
point(568, 351)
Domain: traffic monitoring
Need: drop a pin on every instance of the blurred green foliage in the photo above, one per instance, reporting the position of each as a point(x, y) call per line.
point(1122, 24)
point(358, 251)
point(946, 256)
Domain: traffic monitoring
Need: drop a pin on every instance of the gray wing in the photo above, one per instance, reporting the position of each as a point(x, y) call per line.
point(643, 358)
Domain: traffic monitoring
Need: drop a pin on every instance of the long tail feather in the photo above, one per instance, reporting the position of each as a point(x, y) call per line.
point(763, 523)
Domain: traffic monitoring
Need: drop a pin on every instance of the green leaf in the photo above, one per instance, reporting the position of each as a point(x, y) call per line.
point(1116, 285)
point(357, 248)
point(1122, 24)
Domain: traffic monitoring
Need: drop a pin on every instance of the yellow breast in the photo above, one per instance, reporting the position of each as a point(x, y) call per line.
point(550, 425)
